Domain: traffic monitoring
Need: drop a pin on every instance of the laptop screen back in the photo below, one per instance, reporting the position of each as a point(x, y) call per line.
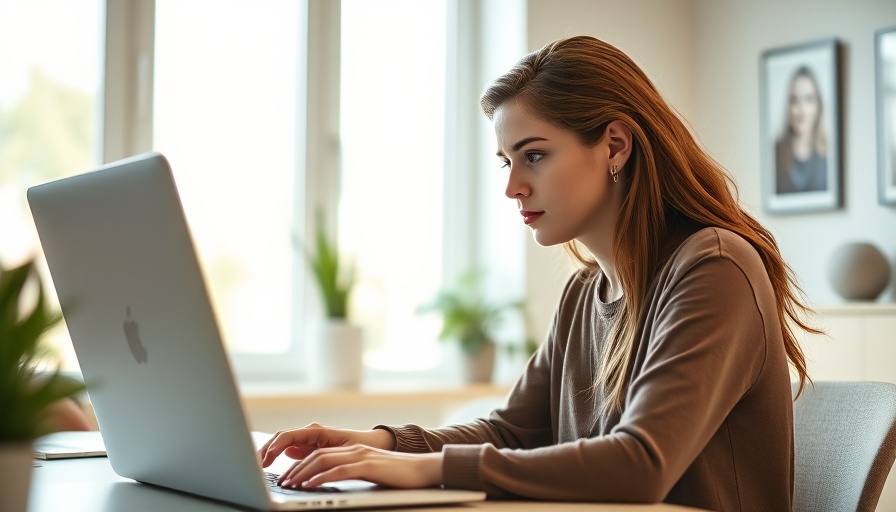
point(143, 329)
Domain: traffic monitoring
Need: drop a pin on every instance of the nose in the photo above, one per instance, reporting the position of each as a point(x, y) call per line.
point(516, 186)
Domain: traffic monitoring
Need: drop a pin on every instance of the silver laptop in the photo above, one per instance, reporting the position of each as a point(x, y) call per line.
point(148, 343)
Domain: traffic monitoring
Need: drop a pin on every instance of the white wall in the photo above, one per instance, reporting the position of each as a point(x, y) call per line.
point(729, 38)
point(704, 57)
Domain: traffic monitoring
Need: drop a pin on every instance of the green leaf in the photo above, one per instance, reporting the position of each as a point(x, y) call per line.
point(26, 393)
point(334, 281)
point(467, 317)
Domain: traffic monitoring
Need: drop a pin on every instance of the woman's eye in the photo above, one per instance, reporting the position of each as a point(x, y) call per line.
point(505, 164)
point(533, 157)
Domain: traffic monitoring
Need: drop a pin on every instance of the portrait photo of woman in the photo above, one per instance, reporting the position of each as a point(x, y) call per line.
point(800, 127)
point(801, 150)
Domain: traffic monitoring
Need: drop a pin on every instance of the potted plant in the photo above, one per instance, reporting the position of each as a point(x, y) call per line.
point(339, 347)
point(469, 319)
point(26, 392)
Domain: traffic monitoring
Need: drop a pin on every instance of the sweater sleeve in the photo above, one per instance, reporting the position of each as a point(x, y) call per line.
point(524, 421)
point(700, 348)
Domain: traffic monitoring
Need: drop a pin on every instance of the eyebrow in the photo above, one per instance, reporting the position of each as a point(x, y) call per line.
point(516, 147)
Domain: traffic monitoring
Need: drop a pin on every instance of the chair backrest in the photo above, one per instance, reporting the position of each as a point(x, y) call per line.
point(845, 443)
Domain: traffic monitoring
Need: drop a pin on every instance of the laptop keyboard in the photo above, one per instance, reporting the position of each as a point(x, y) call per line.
point(272, 483)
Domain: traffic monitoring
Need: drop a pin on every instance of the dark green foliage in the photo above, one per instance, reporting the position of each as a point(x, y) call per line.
point(467, 317)
point(334, 281)
point(26, 392)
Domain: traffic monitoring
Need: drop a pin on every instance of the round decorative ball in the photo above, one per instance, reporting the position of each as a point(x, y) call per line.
point(858, 271)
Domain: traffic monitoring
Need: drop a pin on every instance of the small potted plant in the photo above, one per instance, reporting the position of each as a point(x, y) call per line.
point(469, 319)
point(340, 343)
point(26, 392)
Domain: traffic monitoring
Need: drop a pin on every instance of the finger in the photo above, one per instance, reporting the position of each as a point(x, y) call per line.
point(319, 461)
point(355, 470)
point(301, 442)
point(286, 476)
point(285, 439)
point(268, 451)
point(267, 443)
point(299, 452)
point(264, 450)
point(378, 466)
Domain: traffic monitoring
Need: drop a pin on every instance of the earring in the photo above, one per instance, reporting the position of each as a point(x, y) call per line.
point(614, 172)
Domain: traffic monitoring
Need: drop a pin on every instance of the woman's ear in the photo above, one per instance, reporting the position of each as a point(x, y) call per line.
point(619, 141)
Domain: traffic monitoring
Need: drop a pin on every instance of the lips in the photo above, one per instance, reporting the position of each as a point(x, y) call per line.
point(530, 217)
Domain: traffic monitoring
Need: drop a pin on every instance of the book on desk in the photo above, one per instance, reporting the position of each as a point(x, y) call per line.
point(68, 445)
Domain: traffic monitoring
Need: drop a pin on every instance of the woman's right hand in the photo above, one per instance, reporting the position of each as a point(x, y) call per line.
point(299, 443)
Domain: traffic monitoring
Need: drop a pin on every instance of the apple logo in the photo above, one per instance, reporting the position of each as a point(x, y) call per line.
point(133, 337)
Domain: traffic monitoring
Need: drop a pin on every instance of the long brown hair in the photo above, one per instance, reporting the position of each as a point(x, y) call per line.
point(582, 84)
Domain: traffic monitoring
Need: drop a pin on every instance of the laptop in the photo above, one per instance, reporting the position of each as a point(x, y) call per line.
point(145, 334)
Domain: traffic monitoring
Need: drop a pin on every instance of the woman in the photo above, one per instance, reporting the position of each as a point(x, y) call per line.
point(800, 153)
point(665, 374)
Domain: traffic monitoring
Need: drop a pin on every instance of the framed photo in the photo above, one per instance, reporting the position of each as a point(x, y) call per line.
point(885, 56)
point(800, 127)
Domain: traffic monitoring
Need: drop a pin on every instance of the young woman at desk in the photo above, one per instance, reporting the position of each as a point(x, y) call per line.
point(665, 374)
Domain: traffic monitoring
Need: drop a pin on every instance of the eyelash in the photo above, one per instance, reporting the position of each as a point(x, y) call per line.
point(534, 154)
point(529, 156)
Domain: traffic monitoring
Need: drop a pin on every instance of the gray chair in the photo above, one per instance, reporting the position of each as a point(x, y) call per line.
point(845, 443)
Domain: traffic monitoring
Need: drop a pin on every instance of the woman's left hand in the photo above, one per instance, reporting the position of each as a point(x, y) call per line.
point(359, 462)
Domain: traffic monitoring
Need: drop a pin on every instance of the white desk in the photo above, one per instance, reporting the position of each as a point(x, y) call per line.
point(90, 485)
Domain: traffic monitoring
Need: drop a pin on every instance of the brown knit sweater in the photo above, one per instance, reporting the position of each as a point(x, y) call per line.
point(707, 419)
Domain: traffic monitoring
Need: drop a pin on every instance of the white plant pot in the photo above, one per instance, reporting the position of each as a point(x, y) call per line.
point(480, 367)
point(16, 463)
point(337, 360)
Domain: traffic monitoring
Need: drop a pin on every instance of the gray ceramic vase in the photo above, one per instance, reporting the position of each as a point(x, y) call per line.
point(859, 271)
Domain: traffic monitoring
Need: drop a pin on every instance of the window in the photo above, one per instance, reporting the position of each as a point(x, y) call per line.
point(225, 115)
point(50, 106)
point(421, 197)
point(228, 114)
point(392, 134)
point(244, 98)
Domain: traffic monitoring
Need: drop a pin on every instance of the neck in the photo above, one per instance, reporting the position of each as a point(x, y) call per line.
point(611, 289)
point(802, 148)
point(601, 247)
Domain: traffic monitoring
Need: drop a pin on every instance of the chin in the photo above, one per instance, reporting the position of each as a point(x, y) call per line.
point(545, 240)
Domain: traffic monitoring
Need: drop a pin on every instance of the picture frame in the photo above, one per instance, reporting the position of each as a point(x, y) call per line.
point(800, 127)
point(885, 92)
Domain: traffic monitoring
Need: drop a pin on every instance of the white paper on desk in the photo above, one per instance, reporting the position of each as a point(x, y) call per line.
point(67, 445)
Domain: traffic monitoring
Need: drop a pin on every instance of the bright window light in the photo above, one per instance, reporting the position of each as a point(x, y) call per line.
point(392, 138)
point(51, 62)
point(225, 116)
